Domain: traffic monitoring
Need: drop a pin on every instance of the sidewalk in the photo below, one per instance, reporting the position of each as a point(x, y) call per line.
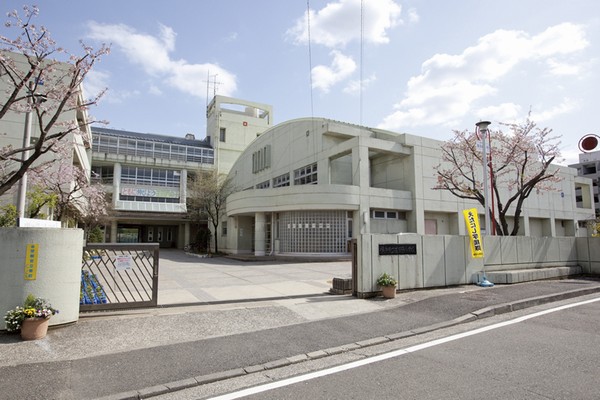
point(137, 354)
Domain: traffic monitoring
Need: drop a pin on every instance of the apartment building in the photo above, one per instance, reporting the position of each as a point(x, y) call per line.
point(589, 167)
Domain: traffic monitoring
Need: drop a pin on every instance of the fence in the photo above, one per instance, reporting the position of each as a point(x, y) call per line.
point(117, 276)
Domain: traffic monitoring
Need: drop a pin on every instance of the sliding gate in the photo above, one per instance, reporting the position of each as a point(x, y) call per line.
point(119, 275)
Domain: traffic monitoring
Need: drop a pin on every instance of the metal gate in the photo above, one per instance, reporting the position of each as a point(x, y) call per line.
point(119, 275)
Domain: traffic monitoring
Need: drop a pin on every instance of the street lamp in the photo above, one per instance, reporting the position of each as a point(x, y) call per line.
point(33, 100)
point(483, 129)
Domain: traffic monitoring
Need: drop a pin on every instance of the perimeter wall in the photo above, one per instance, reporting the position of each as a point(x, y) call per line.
point(445, 260)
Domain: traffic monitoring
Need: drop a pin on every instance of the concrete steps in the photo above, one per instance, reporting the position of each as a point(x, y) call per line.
point(531, 274)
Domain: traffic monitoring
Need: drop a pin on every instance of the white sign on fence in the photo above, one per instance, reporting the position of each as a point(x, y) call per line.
point(123, 263)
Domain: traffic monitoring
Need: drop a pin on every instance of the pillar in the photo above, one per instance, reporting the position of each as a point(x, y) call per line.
point(259, 233)
point(113, 231)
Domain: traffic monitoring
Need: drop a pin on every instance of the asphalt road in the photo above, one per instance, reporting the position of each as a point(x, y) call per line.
point(550, 356)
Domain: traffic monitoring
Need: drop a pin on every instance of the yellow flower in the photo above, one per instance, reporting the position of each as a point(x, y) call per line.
point(29, 312)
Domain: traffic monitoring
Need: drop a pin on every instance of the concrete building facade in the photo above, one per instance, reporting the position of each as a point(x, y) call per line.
point(146, 175)
point(308, 186)
point(12, 125)
point(589, 167)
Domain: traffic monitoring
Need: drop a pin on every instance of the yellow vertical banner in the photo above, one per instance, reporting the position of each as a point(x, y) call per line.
point(31, 262)
point(472, 221)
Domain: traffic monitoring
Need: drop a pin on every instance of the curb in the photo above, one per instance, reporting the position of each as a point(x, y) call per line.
point(284, 362)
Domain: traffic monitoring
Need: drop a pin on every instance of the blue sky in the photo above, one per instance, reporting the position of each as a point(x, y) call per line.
point(427, 66)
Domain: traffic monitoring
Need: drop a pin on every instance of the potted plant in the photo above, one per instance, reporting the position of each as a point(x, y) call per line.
point(31, 319)
point(388, 285)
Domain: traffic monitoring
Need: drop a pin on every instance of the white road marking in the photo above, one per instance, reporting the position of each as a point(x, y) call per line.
point(396, 353)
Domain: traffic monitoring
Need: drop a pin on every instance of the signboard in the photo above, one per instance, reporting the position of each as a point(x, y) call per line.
point(472, 221)
point(393, 249)
point(37, 223)
point(149, 192)
point(123, 263)
point(31, 262)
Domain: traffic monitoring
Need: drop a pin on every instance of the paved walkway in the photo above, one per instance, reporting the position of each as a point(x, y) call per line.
point(189, 279)
point(133, 354)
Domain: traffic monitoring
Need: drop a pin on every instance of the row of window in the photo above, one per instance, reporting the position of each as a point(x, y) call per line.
point(306, 175)
point(149, 199)
point(145, 148)
point(149, 176)
point(384, 214)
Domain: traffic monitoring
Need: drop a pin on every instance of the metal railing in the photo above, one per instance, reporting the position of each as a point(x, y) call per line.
point(119, 275)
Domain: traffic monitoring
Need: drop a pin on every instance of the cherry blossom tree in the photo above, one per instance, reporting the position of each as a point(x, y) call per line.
point(32, 64)
point(75, 198)
point(520, 163)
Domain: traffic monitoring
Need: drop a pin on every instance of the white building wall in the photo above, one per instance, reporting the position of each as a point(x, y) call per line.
point(387, 172)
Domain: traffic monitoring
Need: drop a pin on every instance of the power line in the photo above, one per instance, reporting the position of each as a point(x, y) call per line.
point(360, 81)
point(312, 111)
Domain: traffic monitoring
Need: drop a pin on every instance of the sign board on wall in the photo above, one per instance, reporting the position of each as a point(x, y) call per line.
point(31, 261)
point(37, 223)
point(393, 249)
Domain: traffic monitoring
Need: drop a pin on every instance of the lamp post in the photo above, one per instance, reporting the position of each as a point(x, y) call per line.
point(33, 100)
point(483, 129)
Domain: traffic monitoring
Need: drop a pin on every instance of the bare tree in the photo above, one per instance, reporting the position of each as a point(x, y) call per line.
point(208, 192)
point(520, 162)
point(30, 65)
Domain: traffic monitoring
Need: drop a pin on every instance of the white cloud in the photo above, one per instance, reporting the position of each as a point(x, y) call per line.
point(562, 68)
point(155, 90)
point(450, 84)
point(413, 17)
point(152, 54)
point(342, 67)
point(505, 112)
point(565, 107)
point(338, 23)
point(353, 87)
point(96, 81)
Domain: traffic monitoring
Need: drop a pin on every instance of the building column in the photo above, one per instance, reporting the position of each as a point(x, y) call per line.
point(259, 233)
point(113, 231)
point(186, 234)
point(361, 178)
point(183, 186)
point(116, 184)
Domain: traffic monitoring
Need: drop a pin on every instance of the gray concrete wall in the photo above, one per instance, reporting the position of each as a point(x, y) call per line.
point(588, 254)
point(444, 260)
point(58, 277)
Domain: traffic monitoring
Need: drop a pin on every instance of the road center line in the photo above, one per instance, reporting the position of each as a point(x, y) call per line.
point(392, 354)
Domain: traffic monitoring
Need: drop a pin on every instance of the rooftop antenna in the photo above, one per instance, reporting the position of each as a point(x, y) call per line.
point(214, 84)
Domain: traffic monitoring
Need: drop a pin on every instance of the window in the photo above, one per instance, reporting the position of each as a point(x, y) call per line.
point(224, 228)
point(261, 159)
point(152, 149)
point(281, 180)
point(150, 176)
point(222, 135)
point(378, 214)
point(384, 214)
point(263, 185)
point(103, 174)
point(306, 175)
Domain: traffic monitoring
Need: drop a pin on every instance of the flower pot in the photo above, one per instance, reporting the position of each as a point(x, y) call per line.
point(34, 328)
point(389, 292)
